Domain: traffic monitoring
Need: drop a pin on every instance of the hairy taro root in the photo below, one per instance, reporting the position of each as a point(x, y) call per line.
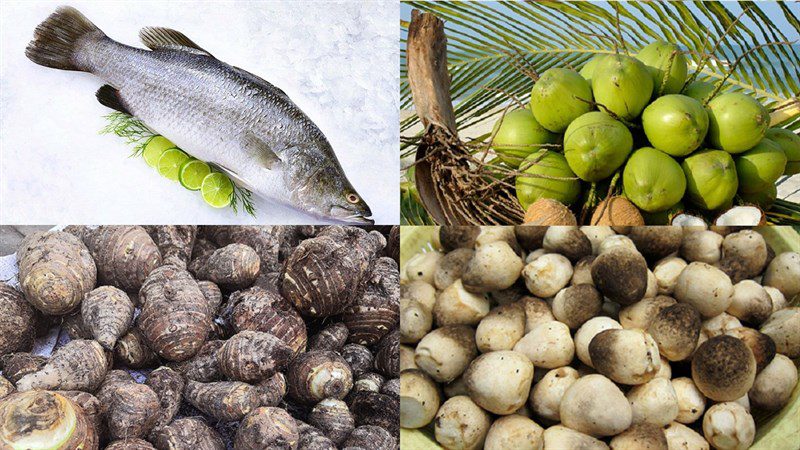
point(204, 366)
point(333, 418)
point(168, 386)
point(317, 375)
point(223, 400)
point(34, 418)
point(55, 271)
point(124, 255)
point(266, 428)
point(175, 319)
point(130, 444)
point(131, 409)
point(78, 365)
point(17, 321)
point(330, 338)
point(232, 267)
point(324, 274)
point(190, 433)
point(17, 365)
point(108, 313)
point(252, 356)
point(378, 309)
point(257, 309)
point(174, 240)
point(132, 350)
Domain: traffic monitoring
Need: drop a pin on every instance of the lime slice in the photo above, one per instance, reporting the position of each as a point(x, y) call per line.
point(154, 148)
point(217, 190)
point(192, 173)
point(170, 162)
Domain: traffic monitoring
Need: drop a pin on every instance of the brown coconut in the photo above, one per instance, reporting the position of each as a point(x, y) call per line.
point(546, 211)
point(616, 211)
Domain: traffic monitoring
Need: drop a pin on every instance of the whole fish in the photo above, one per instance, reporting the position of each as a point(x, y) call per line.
point(216, 112)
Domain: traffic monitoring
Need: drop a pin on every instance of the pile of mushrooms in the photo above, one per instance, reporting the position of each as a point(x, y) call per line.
point(595, 337)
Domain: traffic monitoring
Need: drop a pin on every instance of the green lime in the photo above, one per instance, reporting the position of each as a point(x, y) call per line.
point(192, 174)
point(170, 162)
point(217, 189)
point(154, 148)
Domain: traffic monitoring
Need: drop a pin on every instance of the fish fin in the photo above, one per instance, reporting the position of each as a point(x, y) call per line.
point(261, 151)
point(159, 38)
point(57, 39)
point(258, 79)
point(108, 96)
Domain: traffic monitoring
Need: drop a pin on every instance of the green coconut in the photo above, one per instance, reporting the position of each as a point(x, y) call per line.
point(652, 180)
point(663, 217)
point(699, 90)
point(559, 97)
point(790, 144)
point(622, 84)
point(737, 122)
point(711, 180)
point(595, 145)
point(588, 69)
point(531, 188)
point(763, 199)
point(656, 56)
point(675, 124)
point(760, 167)
point(519, 135)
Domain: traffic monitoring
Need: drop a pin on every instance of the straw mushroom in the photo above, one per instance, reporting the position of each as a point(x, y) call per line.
point(676, 329)
point(536, 311)
point(445, 352)
point(582, 272)
point(457, 306)
point(750, 302)
point(719, 325)
point(415, 321)
point(728, 426)
point(514, 431)
point(744, 255)
point(546, 395)
point(559, 437)
point(548, 345)
point(547, 275)
point(705, 287)
point(419, 291)
point(513, 368)
point(530, 237)
point(451, 267)
point(654, 402)
point(574, 305)
point(419, 399)
point(615, 241)
point(493, 266)
point(461, 424)
point(596, 406)
point(455, 237)
point(588, 331)
point(773, 386)
point(640, 314)
point(784, 328)
point(703, 246)
point(501, 329)
point(682, 437)
point(568, 241)
point(762, 346)
point(640, 436)
point(778, 300)
point(620, 275)
point(656, 242)
point(625, 356)
point(691, 402)
point(422, 266)
point(667, 272)
point(783, 273)
point(723, 368)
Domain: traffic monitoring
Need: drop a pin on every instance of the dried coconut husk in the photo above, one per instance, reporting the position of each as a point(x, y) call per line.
point(546, 211)
point(615, 211)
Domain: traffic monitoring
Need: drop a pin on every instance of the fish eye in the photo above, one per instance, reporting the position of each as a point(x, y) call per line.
point(353, 198)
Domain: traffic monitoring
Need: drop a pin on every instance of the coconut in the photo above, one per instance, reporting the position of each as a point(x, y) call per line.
point(517, 135)
point(711, 180)
point(750, 216)
point(763, 199)
point(652, 180)
point(596, 145)
point(622, 84)
point(699, 90)
point(547, 211)
point(559, 97)
point(737, 122)
point(760, 167)
point(531, 188)
point(615, 211)
point(588, 69)
point(688, 220)
point(675, 124)
point(790, 144)
point(657, 56)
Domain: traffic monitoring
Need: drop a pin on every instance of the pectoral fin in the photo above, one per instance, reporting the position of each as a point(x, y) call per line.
point(158, 38)
point(108, 96)
point(260, 151)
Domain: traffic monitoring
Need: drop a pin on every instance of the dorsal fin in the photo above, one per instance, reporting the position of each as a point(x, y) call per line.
point(156, 38)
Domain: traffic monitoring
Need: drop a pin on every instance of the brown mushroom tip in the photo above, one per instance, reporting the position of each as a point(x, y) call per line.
point(621, 275)
point(723, 368)
point(453, 237)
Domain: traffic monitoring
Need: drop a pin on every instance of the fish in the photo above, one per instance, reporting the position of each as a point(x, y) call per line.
point(218, 113)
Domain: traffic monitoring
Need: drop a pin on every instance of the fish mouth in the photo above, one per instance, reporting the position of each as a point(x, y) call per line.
point(348, 215)
point(359, 219)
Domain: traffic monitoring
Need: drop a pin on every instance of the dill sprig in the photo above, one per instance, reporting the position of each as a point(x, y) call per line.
point(134, 131)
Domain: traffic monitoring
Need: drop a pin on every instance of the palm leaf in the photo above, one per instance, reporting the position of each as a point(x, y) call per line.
point(490, 45)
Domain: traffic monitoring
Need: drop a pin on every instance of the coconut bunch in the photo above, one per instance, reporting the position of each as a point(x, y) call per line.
point(597, 337)
point(638, 131)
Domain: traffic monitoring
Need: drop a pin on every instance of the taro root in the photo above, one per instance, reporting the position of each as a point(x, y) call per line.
point(387, 354)
point(272, 389)
point(316, 375)
point(312, 438)
point(204, 366)
point(269, 242)
point(168, 386)
point(175, 319)
point(374, 408)
point(190, 433)
point(6, 387)
point(377, 311)
point(174, 240)
point(333, 418)
point(359, 358)
point(723, 368)
point(55, 271)
point(257, 309)
point(132, 351)
point(369, 381)
point(130, 444)
point(324, 274)
point(108, 313)
point(330, 338)
point(17, 365)
point(266, 428)
point(620, 275)
point(252, 356)
point(372, 437)
point(223, 400)
point(17, 321)
point(78, 365)
point(212, 293)
point(38, 418)
point(232, 267)
point(124, 255)
point(131, 410)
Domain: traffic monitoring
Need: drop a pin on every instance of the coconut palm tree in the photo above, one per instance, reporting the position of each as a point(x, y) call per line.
point(496, 50)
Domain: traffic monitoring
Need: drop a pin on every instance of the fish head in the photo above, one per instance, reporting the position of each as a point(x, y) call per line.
point(329, 194)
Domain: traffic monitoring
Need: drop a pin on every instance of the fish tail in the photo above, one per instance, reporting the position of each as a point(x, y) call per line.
point(58, 39)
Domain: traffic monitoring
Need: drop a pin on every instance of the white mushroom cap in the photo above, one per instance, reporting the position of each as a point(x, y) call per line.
point(653, 402)
point(457, 306)
point(514, 431)
point(774, 384)
point(783, 273)
point(494, 266)
point(691, 402)
point(625, 356)
point(559, 437)
point(615, 241)
point(588, 331)
point(537, 311)
point(705, 287)
point(640, 436)
point(415, 321)
point(545, 398)
point(750, 302)
point(652, 285)
point(461, 424)
point(534, 255)
point(596, 406)
point(666, 272)
point(407, 358)
point(501, 329)
point(419, 399)
point(491, 234)
point(548, 345)
point(547, 275)
point(445, 353)
point(597, 234)
point(728, 426)
point(784, 328)
point(665, 370)
point(451, 267)
point(422, 266)
point(419, 291)
point(703, 246)
point(778, 300)
point(679, 436)
point(582, 271)
point(719, 324)
point(516, 373)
